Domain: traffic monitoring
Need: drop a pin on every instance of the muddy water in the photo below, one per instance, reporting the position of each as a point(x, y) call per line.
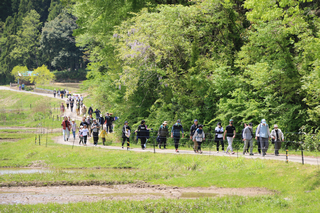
point(66, 194)
point(4, 171)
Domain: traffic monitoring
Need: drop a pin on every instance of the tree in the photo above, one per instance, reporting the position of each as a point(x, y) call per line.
point(26, 49)
point(41, 76)
point(18, 71)
point(59, 45)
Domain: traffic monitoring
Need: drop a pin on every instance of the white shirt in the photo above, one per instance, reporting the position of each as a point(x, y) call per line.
point(85, 132)
point(219, 129)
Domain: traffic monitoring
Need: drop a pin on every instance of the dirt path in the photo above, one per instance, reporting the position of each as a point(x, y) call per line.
point(66, 194)
point(298, 159)
point(68, 112)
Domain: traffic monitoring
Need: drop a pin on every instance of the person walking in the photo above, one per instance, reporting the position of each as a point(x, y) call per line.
point(80, 135)
point(61, 94)
point(54, 93)
point(277, 136)
point(66, 126)
point(199, 137)
point(101, 121)
point(263, 133)
point(231, 134)
point(193, 128)
point(74, 128)
point(97, 112)
point(85, 133)
point(84, 122)
point(163, 133)
point(102, 135)
point(90, 110)
point(71, 104)
point(219, 136)
point(58, 93)
point(68, 102)
point(126, 130)
point(62, 108)
point(247, 136)
point(175, 134)
point(112, 119)
point(22, 86)
point(95, 127)
point(84, 110)
point(89, 121)
point(142, 133)
point(244, 126)
point(108, 123)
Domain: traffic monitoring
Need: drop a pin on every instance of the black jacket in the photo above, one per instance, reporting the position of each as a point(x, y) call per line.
point(90, 111)
point(163, 131)
point(142, 131)
point(193, 129)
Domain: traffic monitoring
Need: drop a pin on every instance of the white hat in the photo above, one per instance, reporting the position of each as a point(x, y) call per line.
point(275, 126)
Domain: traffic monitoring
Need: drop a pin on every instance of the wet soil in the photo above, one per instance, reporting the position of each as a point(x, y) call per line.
point(137, 191)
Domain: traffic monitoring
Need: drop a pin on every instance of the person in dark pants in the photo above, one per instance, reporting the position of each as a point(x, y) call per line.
point(244, 126)
point(108, 122)
point(54, 93)
point(71, 104)
point(142, 132)
point(263, 133)
point(90, 110)
point(175, 134)
point(199, 137)
point(219, 136)
point(126, 134)
point(258, 142)
point(193, 128)
point(277, 136)
point(97, 113)
point(163, 133)
point(95, 131)
point(101, 121)
point(61, 94)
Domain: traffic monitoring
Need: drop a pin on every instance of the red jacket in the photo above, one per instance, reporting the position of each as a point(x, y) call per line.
point(66, 124)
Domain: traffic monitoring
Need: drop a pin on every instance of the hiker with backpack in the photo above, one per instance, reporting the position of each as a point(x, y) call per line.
point(126, 130)
point(219, 136)
point(199, 137)
point(248, 138)
point(163, 133)
point(108, 122)
point(66, 126)
point(74, 128)
point(143, 134)
point(54, 93)
point(90, 110)
point(263, 133)
point(277, 136)
point(193, 128)
point(97, 112)
point(95, 127)
point(175, 134)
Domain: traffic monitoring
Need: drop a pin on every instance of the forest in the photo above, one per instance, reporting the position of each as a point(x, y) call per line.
point(177, 59)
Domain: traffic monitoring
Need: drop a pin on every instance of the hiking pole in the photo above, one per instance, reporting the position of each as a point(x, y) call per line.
point(302, 156)
point(287, 160)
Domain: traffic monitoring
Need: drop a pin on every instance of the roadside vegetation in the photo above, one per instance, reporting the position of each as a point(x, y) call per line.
point(28, 110)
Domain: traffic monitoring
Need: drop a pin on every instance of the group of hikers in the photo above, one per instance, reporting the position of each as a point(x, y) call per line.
point(104, 124)
point(61, 93)
point(74, 101)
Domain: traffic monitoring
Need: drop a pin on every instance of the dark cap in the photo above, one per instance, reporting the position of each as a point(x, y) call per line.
point(126, 122)
point(219, 124)
point(178, 120)
point(250, 124)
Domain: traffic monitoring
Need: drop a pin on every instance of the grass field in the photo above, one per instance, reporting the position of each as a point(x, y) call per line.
point(296, 185)
point(72, 87)
point(28, 110)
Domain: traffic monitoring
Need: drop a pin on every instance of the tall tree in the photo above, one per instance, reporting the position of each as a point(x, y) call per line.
point(58, 43)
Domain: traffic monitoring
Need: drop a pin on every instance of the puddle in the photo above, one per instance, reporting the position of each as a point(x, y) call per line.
point(23, 171)
point(138, 191)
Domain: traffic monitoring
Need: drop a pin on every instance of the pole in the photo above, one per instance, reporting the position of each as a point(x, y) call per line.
point(302, 156)
point(39, 139)
point(287, 160)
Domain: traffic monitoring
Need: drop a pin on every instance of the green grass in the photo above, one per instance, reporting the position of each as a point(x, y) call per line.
point(296, 185)
point(28, 110)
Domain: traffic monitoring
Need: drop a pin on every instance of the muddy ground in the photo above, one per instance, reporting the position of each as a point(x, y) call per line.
point(137, 191)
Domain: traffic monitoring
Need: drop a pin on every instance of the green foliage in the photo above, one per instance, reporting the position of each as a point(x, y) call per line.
point(58, 44)
point(17, 70)
point(41, 76)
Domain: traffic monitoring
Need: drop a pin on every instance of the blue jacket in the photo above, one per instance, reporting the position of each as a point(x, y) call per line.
point(176, 128)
